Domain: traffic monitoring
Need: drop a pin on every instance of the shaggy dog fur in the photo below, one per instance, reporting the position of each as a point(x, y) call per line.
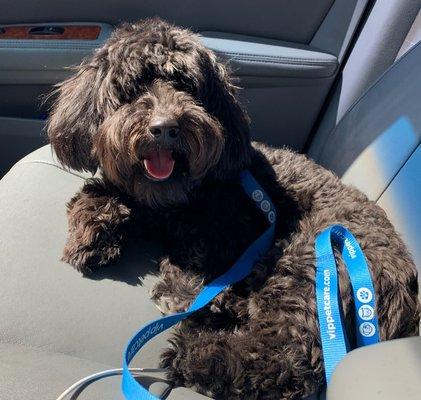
point(260, 338)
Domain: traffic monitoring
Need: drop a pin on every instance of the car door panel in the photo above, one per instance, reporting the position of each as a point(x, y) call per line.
point(288, 20)
point(280, 51)
point(45, 61)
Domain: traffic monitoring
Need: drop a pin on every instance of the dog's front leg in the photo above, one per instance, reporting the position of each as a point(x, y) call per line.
point(97, 221)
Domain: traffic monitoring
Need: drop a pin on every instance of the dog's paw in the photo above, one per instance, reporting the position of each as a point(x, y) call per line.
point(166, 302)
point(208, 367)
point(85, 260)
point(86, 255)
point(97, 222)
point(177, 289)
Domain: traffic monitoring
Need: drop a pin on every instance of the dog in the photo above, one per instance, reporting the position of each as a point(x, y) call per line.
point(157, 115)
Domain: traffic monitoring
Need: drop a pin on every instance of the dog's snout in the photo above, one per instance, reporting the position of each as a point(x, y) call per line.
point(165, 130)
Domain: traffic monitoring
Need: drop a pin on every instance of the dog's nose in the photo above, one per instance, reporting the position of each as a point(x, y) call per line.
point(165, 130)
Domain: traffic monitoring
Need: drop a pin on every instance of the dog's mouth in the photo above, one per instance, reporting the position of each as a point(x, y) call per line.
point(159, 164)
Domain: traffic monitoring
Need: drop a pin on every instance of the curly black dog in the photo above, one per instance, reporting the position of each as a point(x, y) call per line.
point(157, 114)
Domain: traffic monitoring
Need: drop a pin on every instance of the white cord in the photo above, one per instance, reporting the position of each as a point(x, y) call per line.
point(93, 377)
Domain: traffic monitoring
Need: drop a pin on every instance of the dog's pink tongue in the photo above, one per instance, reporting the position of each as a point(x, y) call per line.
point(159, 164)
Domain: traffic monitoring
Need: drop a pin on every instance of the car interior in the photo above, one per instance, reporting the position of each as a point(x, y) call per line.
point(338, 80)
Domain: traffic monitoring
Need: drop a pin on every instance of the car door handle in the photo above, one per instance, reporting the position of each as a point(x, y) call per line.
point(46, 30)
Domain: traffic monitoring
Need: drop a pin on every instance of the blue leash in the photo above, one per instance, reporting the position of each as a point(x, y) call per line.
point(132, 389)
point(333, 337)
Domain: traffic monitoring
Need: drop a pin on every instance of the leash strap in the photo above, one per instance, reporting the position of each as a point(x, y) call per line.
point(333, 337)
point(132, 389)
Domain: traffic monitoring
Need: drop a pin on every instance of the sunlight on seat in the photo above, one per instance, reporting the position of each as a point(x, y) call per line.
point(376, 166)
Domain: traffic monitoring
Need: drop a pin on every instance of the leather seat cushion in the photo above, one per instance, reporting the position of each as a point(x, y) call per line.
point(29, 373)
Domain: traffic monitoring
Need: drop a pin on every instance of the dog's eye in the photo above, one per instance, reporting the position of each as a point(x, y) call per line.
point(133, 87)
point(185, 85)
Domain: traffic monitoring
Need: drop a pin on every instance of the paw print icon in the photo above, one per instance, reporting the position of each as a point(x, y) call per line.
point(364, 295)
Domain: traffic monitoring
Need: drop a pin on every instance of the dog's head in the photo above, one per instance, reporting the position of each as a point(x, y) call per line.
point(155, 110)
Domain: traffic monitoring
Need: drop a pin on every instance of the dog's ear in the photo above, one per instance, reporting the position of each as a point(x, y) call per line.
point(74, 119)
point(218, 95)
